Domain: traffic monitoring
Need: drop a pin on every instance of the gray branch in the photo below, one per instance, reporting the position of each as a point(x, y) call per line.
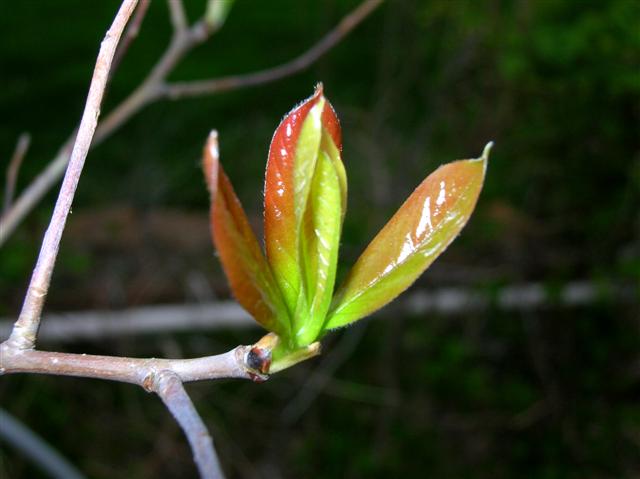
point(16, 434)
point(171, 390)
point(93, 325)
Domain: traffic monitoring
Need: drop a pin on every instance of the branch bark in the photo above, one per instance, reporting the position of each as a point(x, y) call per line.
point(154, 88)
point(242, 362)
point(162, 376)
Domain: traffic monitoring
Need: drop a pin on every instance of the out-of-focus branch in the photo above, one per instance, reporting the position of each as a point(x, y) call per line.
point(11, 217)
point(95, 325)
point(164, 376)
point(14, 167)
point(171, 390)
point(154, 88)
point(25, 329)
point(177, 15)
point(43, 455)
point(322, 375)
point(233, 82)
point(130, 34)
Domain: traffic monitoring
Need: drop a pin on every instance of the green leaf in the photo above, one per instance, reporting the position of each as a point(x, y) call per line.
point(417, 234)
point(320, 240)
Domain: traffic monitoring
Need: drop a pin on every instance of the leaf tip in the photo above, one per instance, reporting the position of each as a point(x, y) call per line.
point(484, 158)
point(486, 151)
point(212, 145)
point(210, 161)
point(319, 90)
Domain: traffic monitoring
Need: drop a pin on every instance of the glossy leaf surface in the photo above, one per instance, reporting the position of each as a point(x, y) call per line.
point(320, 240)
point(291, 169)
point(417, 234)
point(244, 264)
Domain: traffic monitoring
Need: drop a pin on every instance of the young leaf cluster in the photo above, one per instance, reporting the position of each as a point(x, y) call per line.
point(290, 290)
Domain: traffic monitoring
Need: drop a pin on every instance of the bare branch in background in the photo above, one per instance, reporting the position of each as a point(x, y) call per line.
point(298, 64)
point(171, 390)
point(178, 16)
point(94, 325)
point(25, 329)
point(130, 34)
point(163, 376)
point(14, 167)
point(322, 375)
point(154, 88)
point(43, 455)
point(214, 316)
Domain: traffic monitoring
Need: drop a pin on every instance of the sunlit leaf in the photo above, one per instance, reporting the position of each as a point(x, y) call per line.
point(247, 270)
point(417, 234)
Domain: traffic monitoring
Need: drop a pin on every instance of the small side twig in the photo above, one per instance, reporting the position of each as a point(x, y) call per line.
point(170, 389)
point(164, 376)
point(154, 88)
point(24, 331)
point(130, 34)
point(43, 455)
point(327, 42)
point(19, 153)
point(178, 16)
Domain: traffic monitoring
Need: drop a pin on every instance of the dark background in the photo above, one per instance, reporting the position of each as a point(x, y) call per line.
point(541, 393)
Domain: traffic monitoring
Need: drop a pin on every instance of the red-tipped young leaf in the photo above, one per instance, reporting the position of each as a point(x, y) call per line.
point(293, 155)
point(417, 234)
point(244, 264)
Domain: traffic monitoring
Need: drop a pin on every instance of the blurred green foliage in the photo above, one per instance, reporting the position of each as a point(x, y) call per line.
point(555, 83)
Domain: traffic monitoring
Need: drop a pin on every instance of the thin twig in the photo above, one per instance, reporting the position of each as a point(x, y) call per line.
point(42, 454)
point(298, 64)
point(130, 34)
point(171, 390)
point(178, 16)
point(25, 330)
point(14, 167)
point(154, 88)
